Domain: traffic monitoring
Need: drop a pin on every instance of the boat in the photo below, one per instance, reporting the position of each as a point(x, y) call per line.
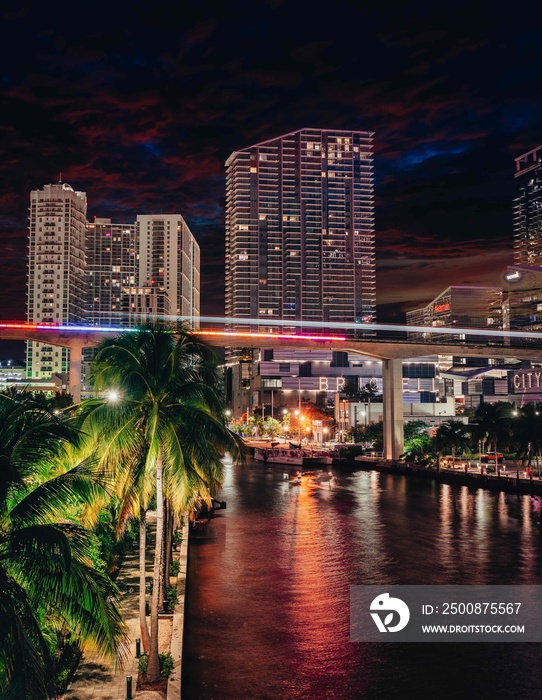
point(321, 457)
point(279, 455)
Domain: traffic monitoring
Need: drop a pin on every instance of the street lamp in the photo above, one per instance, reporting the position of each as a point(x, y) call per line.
point(112, 396)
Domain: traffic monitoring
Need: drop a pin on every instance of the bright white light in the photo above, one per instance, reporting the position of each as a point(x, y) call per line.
point(112, 396)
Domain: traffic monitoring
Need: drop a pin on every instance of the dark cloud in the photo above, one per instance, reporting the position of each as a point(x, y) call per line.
point(141, 106)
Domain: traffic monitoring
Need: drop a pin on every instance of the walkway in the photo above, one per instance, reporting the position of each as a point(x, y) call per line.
point(98, 678)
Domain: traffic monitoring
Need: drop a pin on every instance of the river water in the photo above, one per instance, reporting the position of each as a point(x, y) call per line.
point(267, 614)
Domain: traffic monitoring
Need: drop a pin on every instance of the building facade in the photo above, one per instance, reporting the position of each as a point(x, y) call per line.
point(300, 241)
point(138, 270)
point(111, 272)
point(102, 273)
point(528, 210)
point(168, 266)
point(300, 228)
point(461, 306)
point(56, 271)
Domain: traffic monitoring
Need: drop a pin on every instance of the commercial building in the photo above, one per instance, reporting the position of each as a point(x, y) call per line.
point(56, 271)
point(168, 274)
point(523, 295)
point(111, 272)
point(461, 306)
point(149, 267)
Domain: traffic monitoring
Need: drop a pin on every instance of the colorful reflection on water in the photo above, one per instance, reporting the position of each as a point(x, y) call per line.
point(268, 587)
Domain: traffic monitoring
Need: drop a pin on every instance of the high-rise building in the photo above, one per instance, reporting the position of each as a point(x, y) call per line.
point(56, 270)
point(112, 272)
point(101, 273)
point(528, 210)
point(150, 267)
point(169, 265)
point(300, 228)
point(300, 241)
point(136, 270)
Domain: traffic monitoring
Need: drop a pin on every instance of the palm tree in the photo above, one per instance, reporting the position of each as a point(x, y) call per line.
point(168, 429)
point(527, 432)
point(492, 422)
point(452, 434)
point(47, 580)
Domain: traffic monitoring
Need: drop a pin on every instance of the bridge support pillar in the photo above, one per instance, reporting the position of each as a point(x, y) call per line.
point(392, 381)
point(76, 359)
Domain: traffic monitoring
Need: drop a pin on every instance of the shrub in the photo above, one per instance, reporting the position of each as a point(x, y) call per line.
point(174, 568)
point(165, 661)
point(172, 597)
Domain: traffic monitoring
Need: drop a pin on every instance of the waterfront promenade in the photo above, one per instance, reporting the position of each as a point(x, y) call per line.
point(102, 679)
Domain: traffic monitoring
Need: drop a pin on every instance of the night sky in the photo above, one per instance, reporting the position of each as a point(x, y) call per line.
point(140, 104)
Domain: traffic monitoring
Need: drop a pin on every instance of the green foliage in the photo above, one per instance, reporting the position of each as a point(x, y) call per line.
point(420, 450)
point(174, 568)
point(165, 661)
point(166, 436)
point(68, 656)
point(414, 429)
point(365, 393)
point(47, 579)
point(172, 596)
point(112, 547)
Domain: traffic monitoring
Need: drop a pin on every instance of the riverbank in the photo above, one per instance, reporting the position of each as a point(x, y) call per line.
point(99, 678)
point(174, 681)
point(505, 483)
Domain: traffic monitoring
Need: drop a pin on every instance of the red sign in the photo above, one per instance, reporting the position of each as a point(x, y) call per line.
point(439, 308)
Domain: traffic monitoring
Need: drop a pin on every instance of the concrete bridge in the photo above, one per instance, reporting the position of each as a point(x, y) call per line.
point(386, 342)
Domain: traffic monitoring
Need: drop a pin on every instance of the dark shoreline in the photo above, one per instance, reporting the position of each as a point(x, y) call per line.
point(507, 484)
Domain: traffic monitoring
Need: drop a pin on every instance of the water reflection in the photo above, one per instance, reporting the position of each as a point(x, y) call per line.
point(268, 601)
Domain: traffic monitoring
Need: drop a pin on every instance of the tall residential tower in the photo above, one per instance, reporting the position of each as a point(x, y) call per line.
point(528, 210)
point(300, 228)
point(56, 270)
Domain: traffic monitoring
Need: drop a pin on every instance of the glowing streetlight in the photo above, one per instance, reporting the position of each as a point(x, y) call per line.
point(112, 396)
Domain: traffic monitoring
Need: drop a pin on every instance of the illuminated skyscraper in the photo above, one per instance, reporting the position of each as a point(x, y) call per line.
point(300, 228)
point(151, 266)
point(168, 264)
point(56, 270)
point(111, 269)
point(528, 210)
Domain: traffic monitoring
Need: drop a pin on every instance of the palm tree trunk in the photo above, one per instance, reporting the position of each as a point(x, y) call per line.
point(153, 670)
point(169, 544)
point(165, 560)
point(145, 636)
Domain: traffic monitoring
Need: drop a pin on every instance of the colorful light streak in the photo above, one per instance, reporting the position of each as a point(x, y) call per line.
point(281, 336)
point(366, 328)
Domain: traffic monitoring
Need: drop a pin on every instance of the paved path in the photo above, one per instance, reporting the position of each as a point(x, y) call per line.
point(101, 679)
point(97, 678)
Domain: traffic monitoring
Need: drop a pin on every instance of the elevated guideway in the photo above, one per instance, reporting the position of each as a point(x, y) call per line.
point(389, 343)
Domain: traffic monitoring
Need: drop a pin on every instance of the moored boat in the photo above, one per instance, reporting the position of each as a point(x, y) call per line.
point(279, 455)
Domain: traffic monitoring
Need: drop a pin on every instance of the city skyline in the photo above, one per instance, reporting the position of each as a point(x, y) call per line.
point(144, 120)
